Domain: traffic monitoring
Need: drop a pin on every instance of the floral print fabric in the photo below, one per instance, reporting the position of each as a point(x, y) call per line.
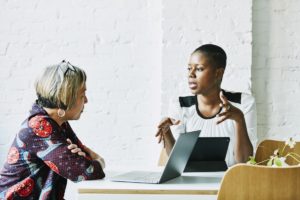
point(39, 163)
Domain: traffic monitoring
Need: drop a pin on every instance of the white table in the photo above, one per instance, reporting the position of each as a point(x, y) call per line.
point(188, 186)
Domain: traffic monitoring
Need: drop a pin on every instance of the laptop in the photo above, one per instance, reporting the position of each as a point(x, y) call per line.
point(174, 167)
point(208, 155)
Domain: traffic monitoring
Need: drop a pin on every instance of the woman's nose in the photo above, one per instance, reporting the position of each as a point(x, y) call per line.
point(85, 99)
point(192, 73)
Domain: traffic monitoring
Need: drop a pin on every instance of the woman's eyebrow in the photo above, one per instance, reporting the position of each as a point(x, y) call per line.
point(196, 65)
point(192, 64)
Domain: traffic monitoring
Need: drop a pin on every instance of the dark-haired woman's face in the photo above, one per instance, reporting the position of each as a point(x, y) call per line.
point(203, 78)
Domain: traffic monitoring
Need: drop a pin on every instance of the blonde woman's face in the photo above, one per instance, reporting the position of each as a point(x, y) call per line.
point(75, 112)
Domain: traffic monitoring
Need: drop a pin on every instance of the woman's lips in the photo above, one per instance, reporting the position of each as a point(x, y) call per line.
point(192, 85)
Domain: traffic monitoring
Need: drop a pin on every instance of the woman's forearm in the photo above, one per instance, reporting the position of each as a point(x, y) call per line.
point(169, 141)
point(243, 147)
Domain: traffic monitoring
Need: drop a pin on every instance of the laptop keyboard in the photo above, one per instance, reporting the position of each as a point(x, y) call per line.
point(139, 176)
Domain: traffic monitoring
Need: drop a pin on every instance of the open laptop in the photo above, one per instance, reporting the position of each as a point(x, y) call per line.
point(208, 155)
point(174, 167)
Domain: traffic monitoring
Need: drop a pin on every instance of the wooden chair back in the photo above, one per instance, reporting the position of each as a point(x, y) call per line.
point(253, 182)
point(267, 147)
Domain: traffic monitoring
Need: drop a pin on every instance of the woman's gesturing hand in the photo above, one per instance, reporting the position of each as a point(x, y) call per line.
point(230, 111)
point(164, 128)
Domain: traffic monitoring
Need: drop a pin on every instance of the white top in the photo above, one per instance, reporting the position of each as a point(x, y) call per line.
point(186, 110)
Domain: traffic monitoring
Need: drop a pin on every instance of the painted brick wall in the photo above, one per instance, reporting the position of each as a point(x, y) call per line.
point(135, 54)
point(116, 42)
point(189, 24)
point(276, 67)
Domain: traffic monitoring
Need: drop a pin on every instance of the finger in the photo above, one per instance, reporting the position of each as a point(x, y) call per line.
point(69, 141)
point(228, 106)
point(72, 146)
point(159, 132)
point(223, 98)
point(159, 138)
point(81, 153)
point(163, 122)
point(222, 119)
point(166, 122)
point(76, 150)
point(223, 114)
point(164, 141)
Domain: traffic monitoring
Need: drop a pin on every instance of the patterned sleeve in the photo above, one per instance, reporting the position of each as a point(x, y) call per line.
point(75, 140)
point(175, 112)
point(51, 147)
point(249, 110)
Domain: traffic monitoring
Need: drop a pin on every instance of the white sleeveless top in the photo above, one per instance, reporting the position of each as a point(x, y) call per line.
point(186, 110)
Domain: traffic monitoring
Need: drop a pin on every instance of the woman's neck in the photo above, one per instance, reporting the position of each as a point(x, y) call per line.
point(208, 104)
point(211, 99)
point(53, 114)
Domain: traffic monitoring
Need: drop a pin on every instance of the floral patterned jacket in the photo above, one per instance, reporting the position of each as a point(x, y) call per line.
point(39, 163)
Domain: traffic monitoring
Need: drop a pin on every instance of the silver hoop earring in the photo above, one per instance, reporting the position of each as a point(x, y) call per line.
point(61, 113)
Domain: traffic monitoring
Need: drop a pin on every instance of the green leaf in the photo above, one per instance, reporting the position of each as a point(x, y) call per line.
point(270, 162)
point(251, 160)
point(277, 162)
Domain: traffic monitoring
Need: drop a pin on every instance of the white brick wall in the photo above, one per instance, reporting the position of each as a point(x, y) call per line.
point(120, 44)
point(116, 42)
point(135, 54)
point(189, 24)
point(276, 67)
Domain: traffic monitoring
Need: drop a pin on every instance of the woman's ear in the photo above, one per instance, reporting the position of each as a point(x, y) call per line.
point(220, 73)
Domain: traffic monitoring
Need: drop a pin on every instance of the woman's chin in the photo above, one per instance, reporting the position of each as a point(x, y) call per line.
point(194, 91)
point(76, 117)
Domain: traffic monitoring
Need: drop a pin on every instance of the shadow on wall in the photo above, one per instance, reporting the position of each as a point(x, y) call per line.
point(275, 67)
point(260, 36)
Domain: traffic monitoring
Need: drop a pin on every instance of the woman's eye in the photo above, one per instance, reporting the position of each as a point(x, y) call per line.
point(189, 68)
point(199, 69)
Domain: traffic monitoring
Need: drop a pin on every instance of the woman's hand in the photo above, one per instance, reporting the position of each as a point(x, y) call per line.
point(231, 112)
point(75, 149)
point(95, 156)
point(243, 146)
point(164, 128)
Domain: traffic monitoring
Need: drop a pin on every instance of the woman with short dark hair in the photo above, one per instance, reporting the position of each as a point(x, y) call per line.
point(214, 111)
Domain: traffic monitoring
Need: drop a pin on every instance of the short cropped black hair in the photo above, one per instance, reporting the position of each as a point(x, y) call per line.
point(214, 53)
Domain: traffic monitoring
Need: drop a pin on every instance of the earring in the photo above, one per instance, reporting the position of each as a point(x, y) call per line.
point(61, 113)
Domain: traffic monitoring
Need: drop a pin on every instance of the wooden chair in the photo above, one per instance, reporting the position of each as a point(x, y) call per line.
point(267, 147)
point(253, 182)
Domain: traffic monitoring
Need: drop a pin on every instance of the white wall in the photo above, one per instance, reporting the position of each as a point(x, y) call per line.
point(188, 24)
point(276, 67)
point(135, 54)
point(116, 42)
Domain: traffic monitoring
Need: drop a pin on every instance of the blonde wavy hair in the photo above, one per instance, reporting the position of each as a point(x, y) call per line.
point(57, 85)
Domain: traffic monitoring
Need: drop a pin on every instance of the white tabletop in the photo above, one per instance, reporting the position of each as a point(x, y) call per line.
point(193, 183)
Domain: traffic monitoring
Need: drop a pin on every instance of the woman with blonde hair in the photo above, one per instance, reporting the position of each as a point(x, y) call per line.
point(46, 152)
